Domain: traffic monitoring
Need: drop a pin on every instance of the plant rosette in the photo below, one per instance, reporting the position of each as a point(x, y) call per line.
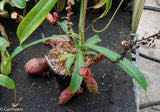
point(57, 58)
point(59, 54)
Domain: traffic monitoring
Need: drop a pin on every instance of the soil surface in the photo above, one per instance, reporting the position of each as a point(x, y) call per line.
point(40, 94)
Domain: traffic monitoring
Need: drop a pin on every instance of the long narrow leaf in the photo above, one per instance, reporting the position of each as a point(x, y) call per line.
point(21, 48)
point(64, 56)
point(69, 63)
point(64, 27)
point(2, 3)
point(4, 58)
point(34, 18)
point(75, 41)
point(6, 82)
point(108, 6)
point(3, 44)
point(60, 5)
point(76, 79)
point(90, 52)
point(126, 65)
point(100, 4)
point(19, 3)
point(98, 31)
point(93, 40)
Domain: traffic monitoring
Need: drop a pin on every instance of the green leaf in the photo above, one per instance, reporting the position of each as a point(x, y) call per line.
point(100, 4)
point(33, 19)
point(2, 3)
point(126, 65)
point(60, 5)
point(134, 72)
point(21, 48)
point(80, 16)
point(75, 41)
point(93, 40)
point(69, 63)
point(64, 56)
point(4, 58)
point(90, 52)
point(3, 44)
point(21, 4)
point(63, 25)
point(105, 12)
point(108, 6)
point(76, 79)
point(6, 82)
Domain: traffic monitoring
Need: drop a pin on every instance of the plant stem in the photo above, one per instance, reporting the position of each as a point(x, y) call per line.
point(148, 98)
point(87, 28)
point(83, 20)
point(152, 36)
point(24, 11)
